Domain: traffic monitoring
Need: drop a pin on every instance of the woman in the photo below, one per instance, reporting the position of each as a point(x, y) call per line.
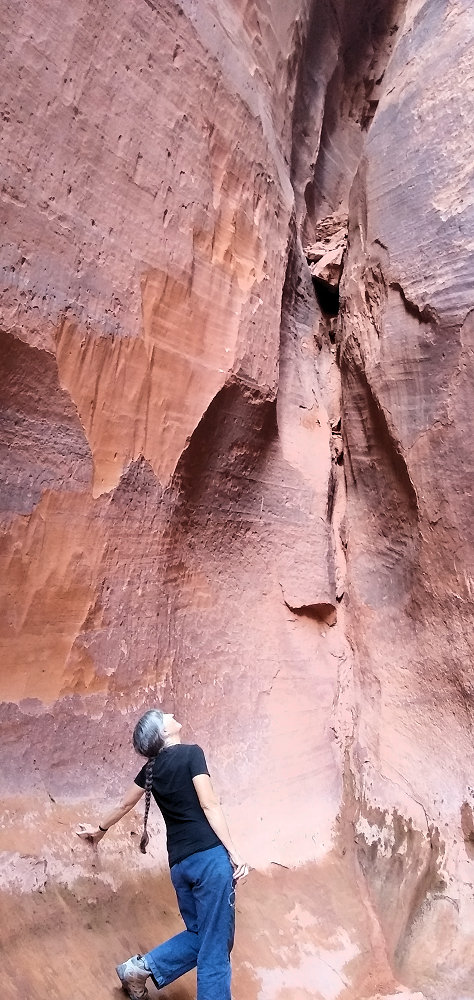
point(203, 861)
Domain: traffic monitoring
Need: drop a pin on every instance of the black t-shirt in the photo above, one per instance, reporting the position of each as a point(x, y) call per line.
point(187, 829)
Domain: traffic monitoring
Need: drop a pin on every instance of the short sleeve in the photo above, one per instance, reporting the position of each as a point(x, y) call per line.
point(197, 761)
point(140, 778)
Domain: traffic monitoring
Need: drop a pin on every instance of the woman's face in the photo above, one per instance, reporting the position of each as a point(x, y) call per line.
point(170, 725)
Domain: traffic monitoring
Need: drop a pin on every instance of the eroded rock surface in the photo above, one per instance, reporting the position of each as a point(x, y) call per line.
point(238, 484)
point(406, 354)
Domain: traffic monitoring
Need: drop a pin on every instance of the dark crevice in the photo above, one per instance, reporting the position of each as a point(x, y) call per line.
point(324, 613)
point(332, 485)
point(327, 296)
point(425, 314)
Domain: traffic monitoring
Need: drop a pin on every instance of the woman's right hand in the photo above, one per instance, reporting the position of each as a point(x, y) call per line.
point(241, 869)
point(91, 833)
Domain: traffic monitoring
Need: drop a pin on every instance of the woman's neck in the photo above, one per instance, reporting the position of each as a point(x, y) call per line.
point(171, 741)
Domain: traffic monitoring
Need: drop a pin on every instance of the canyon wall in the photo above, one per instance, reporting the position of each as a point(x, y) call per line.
point(406, 341)
point(236, 488)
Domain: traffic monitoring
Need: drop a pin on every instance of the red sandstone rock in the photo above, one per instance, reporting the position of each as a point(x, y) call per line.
point(173, 502)
point(325, 256)
point(400, 993)
point(406, 348)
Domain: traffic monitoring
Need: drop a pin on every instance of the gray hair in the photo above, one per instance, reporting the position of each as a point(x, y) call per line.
point(148, 741)
point(148, 737)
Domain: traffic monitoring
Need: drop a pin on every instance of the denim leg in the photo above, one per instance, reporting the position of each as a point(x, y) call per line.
point(213, 893)
point(205, 891)
point(179, 954)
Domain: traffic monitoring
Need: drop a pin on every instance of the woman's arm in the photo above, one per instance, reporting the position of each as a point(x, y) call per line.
point(128, 801)
point(213, 811)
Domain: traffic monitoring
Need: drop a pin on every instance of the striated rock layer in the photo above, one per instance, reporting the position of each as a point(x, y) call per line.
point(185, 404)
point(406, 350)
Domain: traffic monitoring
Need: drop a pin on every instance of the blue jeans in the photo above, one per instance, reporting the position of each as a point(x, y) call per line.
point(205, 891)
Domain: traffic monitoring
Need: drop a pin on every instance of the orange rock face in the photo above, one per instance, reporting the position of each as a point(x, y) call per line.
point(237, 491)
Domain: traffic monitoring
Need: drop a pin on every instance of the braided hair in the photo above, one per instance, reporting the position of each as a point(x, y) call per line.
point(148, 741)
point(148, 783)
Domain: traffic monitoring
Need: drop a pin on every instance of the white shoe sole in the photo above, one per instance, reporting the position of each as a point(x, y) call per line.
point(134, 992)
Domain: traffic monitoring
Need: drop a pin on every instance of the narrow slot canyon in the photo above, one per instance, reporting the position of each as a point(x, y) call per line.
point(236, 339)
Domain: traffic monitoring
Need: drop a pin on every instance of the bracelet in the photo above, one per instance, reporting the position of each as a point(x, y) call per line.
point(101, 828)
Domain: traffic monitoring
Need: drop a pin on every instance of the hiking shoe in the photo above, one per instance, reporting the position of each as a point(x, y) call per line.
point(133, 975)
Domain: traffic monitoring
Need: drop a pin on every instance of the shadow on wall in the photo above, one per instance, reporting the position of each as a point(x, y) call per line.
point(382, 499)
point(218, 469)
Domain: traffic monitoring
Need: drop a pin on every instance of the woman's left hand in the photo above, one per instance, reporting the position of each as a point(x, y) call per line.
point(91, 833)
